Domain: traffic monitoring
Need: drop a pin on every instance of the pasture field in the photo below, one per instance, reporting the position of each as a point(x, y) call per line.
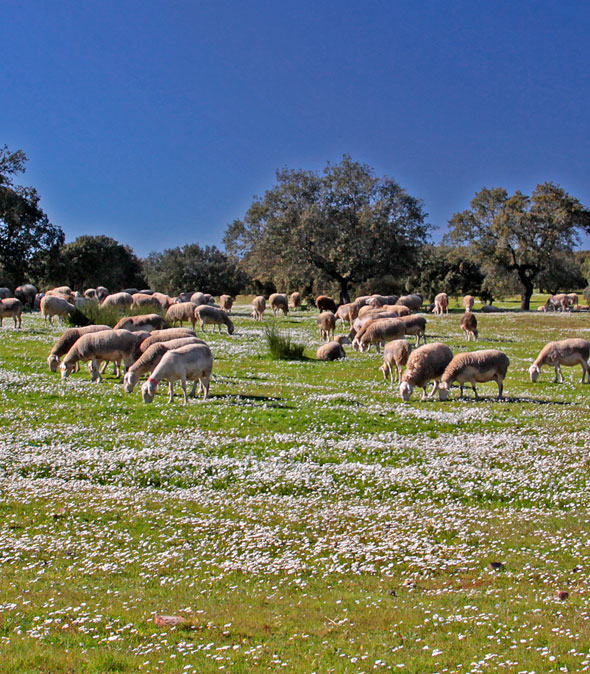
point(304, 519)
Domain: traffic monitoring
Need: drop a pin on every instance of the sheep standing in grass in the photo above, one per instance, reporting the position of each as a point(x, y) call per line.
point(325, 303)
point(226, 302)
point(5, 293)
point(11, 307)
point(327, 324)
point(361, 322)
point(51, 306)
point(206, 314)
point(568, 352)
point(106, 345)
point(395, 354)
point(472, 367)
point(165, 301)
point(258, 307)
point(468, 302)
point(469, 326)
point(157, 336)
point(331, 351)
point(425, 364)
point(120, 301)
point(67, 340)
point(441, 304)
point(150, 359)
point(147, 322)
point(295, 300)
point(142, 301)
point(415, 325)
point(413, 301)
point(378, 332)
point(279, 302)
point(183, 311)
point(193, 362)
point(347, 312)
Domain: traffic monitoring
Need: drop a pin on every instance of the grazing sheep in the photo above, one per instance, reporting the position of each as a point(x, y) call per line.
point(378, 332)
point(141, 301)
point(198, 298)
point(151, 357)
point(395, 353)
point(382, 300)
point(341, 339)
point(217, 317)
point(327, 324)
point(347, 312)
point(11, 307)
point(67, 340)
point(193, 362)
point(279, 302)
point(330, 351)
point(183, 311)
point(102, 293)
point(400, 309)
point(362, 321)
point(165, 336)
point(475, 366)
point(164, 300)
point(469, 326)
point(425, 364)
point(26, 294)
point(90, 294)
point(325, 303)
point(295, 300)
point(226, 302)
point(362, 301)
point(121, 301)
point(468, 302)
point(146, 322)
point(106, 345)
point(51, 306)
point(413, 301)
point(5, 293)
point(415, 325)
point(490, 309)
point(564, 352)
point(441, 304)
point(258, 307)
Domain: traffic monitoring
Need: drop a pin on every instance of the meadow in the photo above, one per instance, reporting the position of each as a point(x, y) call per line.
point(303, 519)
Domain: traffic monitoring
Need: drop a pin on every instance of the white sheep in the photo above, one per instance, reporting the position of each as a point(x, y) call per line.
point(180, 312)
point(52, 305)
point(425, 364)
point(193, 362)
point(413, 301)
point(469, 326)
point(67, 340)
point(146, 322)
point(11, 307)
point(395, 354)
point(258, 307)
point(167, 335)
point(215, 316)
point(120, 301)
point(415, 325)
point(441, 304)
point(378, 332)
point(347, 312)
point(468, 302)
point(142, 301)
point(226, 302)
point(279, 302)
point(327, 324)
point(295, 300)
point(331, 351)
point(472, 367)
point(568, 352)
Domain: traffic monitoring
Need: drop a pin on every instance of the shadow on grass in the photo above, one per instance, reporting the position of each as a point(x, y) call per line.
point(237, 399)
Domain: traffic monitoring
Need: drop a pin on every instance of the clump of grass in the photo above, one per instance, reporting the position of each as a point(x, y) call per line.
point(280, 343)
point(77, 319)
point(93, 314)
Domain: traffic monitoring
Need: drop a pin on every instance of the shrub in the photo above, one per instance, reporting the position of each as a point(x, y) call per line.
point(280, 343)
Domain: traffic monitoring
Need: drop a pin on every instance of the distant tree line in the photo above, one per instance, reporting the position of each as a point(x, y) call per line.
point(343, 230)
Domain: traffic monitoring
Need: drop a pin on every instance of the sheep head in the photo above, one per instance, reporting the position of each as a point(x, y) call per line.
point(406, 391)
point(534, 372)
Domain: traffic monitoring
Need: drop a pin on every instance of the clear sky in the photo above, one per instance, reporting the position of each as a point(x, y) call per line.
point(155, 122)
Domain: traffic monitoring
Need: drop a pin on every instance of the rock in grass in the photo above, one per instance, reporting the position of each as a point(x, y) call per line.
point(168, 620)
point(496, 566)
point(562, 595)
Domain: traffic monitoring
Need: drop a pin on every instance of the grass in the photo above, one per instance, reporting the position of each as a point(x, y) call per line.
point(303, 519)
point(280, 343)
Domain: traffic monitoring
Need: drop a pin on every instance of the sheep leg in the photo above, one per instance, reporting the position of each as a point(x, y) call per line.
point(193, 392)
point(95, 371)
point(183, 384)
point(171, 391)
point(560, 372)
point(474, 390)
point(500, 388)
point(206, 381)
point(424, 394)
point(434, 389)
point(460, 389)
point(585, 370)
point(556, 380)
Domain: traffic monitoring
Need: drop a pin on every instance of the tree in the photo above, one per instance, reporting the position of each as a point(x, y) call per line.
point(345, 224)
point(564, 273)
point(27, 239)
point(89, 261)
point(521, 234)
point(194, 268)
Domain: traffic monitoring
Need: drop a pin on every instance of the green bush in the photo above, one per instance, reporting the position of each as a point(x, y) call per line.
point(280, 343)
point(93, 314)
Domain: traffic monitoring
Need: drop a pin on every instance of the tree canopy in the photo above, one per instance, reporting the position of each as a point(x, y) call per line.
point(521, 234)
point(346, 225)
point(28, 241)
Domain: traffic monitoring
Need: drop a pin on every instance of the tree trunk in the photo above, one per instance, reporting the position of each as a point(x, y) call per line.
point(344, 293)
point(525, 297)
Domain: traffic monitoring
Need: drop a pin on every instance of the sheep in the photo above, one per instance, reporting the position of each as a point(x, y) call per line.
point(12, 307)
point(468, 302)
point(90, 294)
point(415, 325)
point(327, 324)
point(258, 307)
point(330, 351)
point(561, 301)
point(400, 309)
point(325, 303)
point(395, 353)
point(564, 352)
point(469, 326)
point(198, 298)
point(151, 357)
point(101, 293)
point(413, 301)
point(26, 294)
point(295, 300)
point(165, 336)
point(424, 365)
point(208, 314)
point(141, 301)
point(475, 366)
point(193, 362)
point(347, 312)
point(361, 321)
point(362, 301)
point(441, 304)
point(382, 300)
point(130, 291)
point(378, 332)
point(183, 311)
point(490, 309)
point(111, 345)
point(121, 301)
point(279, 302)
point(5, 293)
point(341, 339)
point(51, 306)
point(164, 300)
point(226, 302)
point(146, 322)
point(67, 340)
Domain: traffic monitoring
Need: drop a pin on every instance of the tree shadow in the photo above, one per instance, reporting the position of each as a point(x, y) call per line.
point(237, 398)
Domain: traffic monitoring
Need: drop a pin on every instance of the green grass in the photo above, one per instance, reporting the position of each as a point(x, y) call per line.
point(303, 519)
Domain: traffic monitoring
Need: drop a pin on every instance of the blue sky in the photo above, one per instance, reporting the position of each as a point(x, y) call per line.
point(156, 122)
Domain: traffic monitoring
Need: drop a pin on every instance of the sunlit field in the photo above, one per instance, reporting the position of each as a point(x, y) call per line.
point(303, 519)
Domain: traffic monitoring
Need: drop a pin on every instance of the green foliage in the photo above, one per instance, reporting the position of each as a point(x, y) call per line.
point(280, 343)
point(194, 268)
point(94, 314)
point(455, 271)
point(78, 319)
point(345, 225)
point(564, 273)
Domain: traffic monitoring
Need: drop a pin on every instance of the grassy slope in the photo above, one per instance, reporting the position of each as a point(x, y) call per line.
point(303, 519)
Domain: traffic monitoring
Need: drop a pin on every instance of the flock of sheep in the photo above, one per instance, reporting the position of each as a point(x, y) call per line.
point(147, 346)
